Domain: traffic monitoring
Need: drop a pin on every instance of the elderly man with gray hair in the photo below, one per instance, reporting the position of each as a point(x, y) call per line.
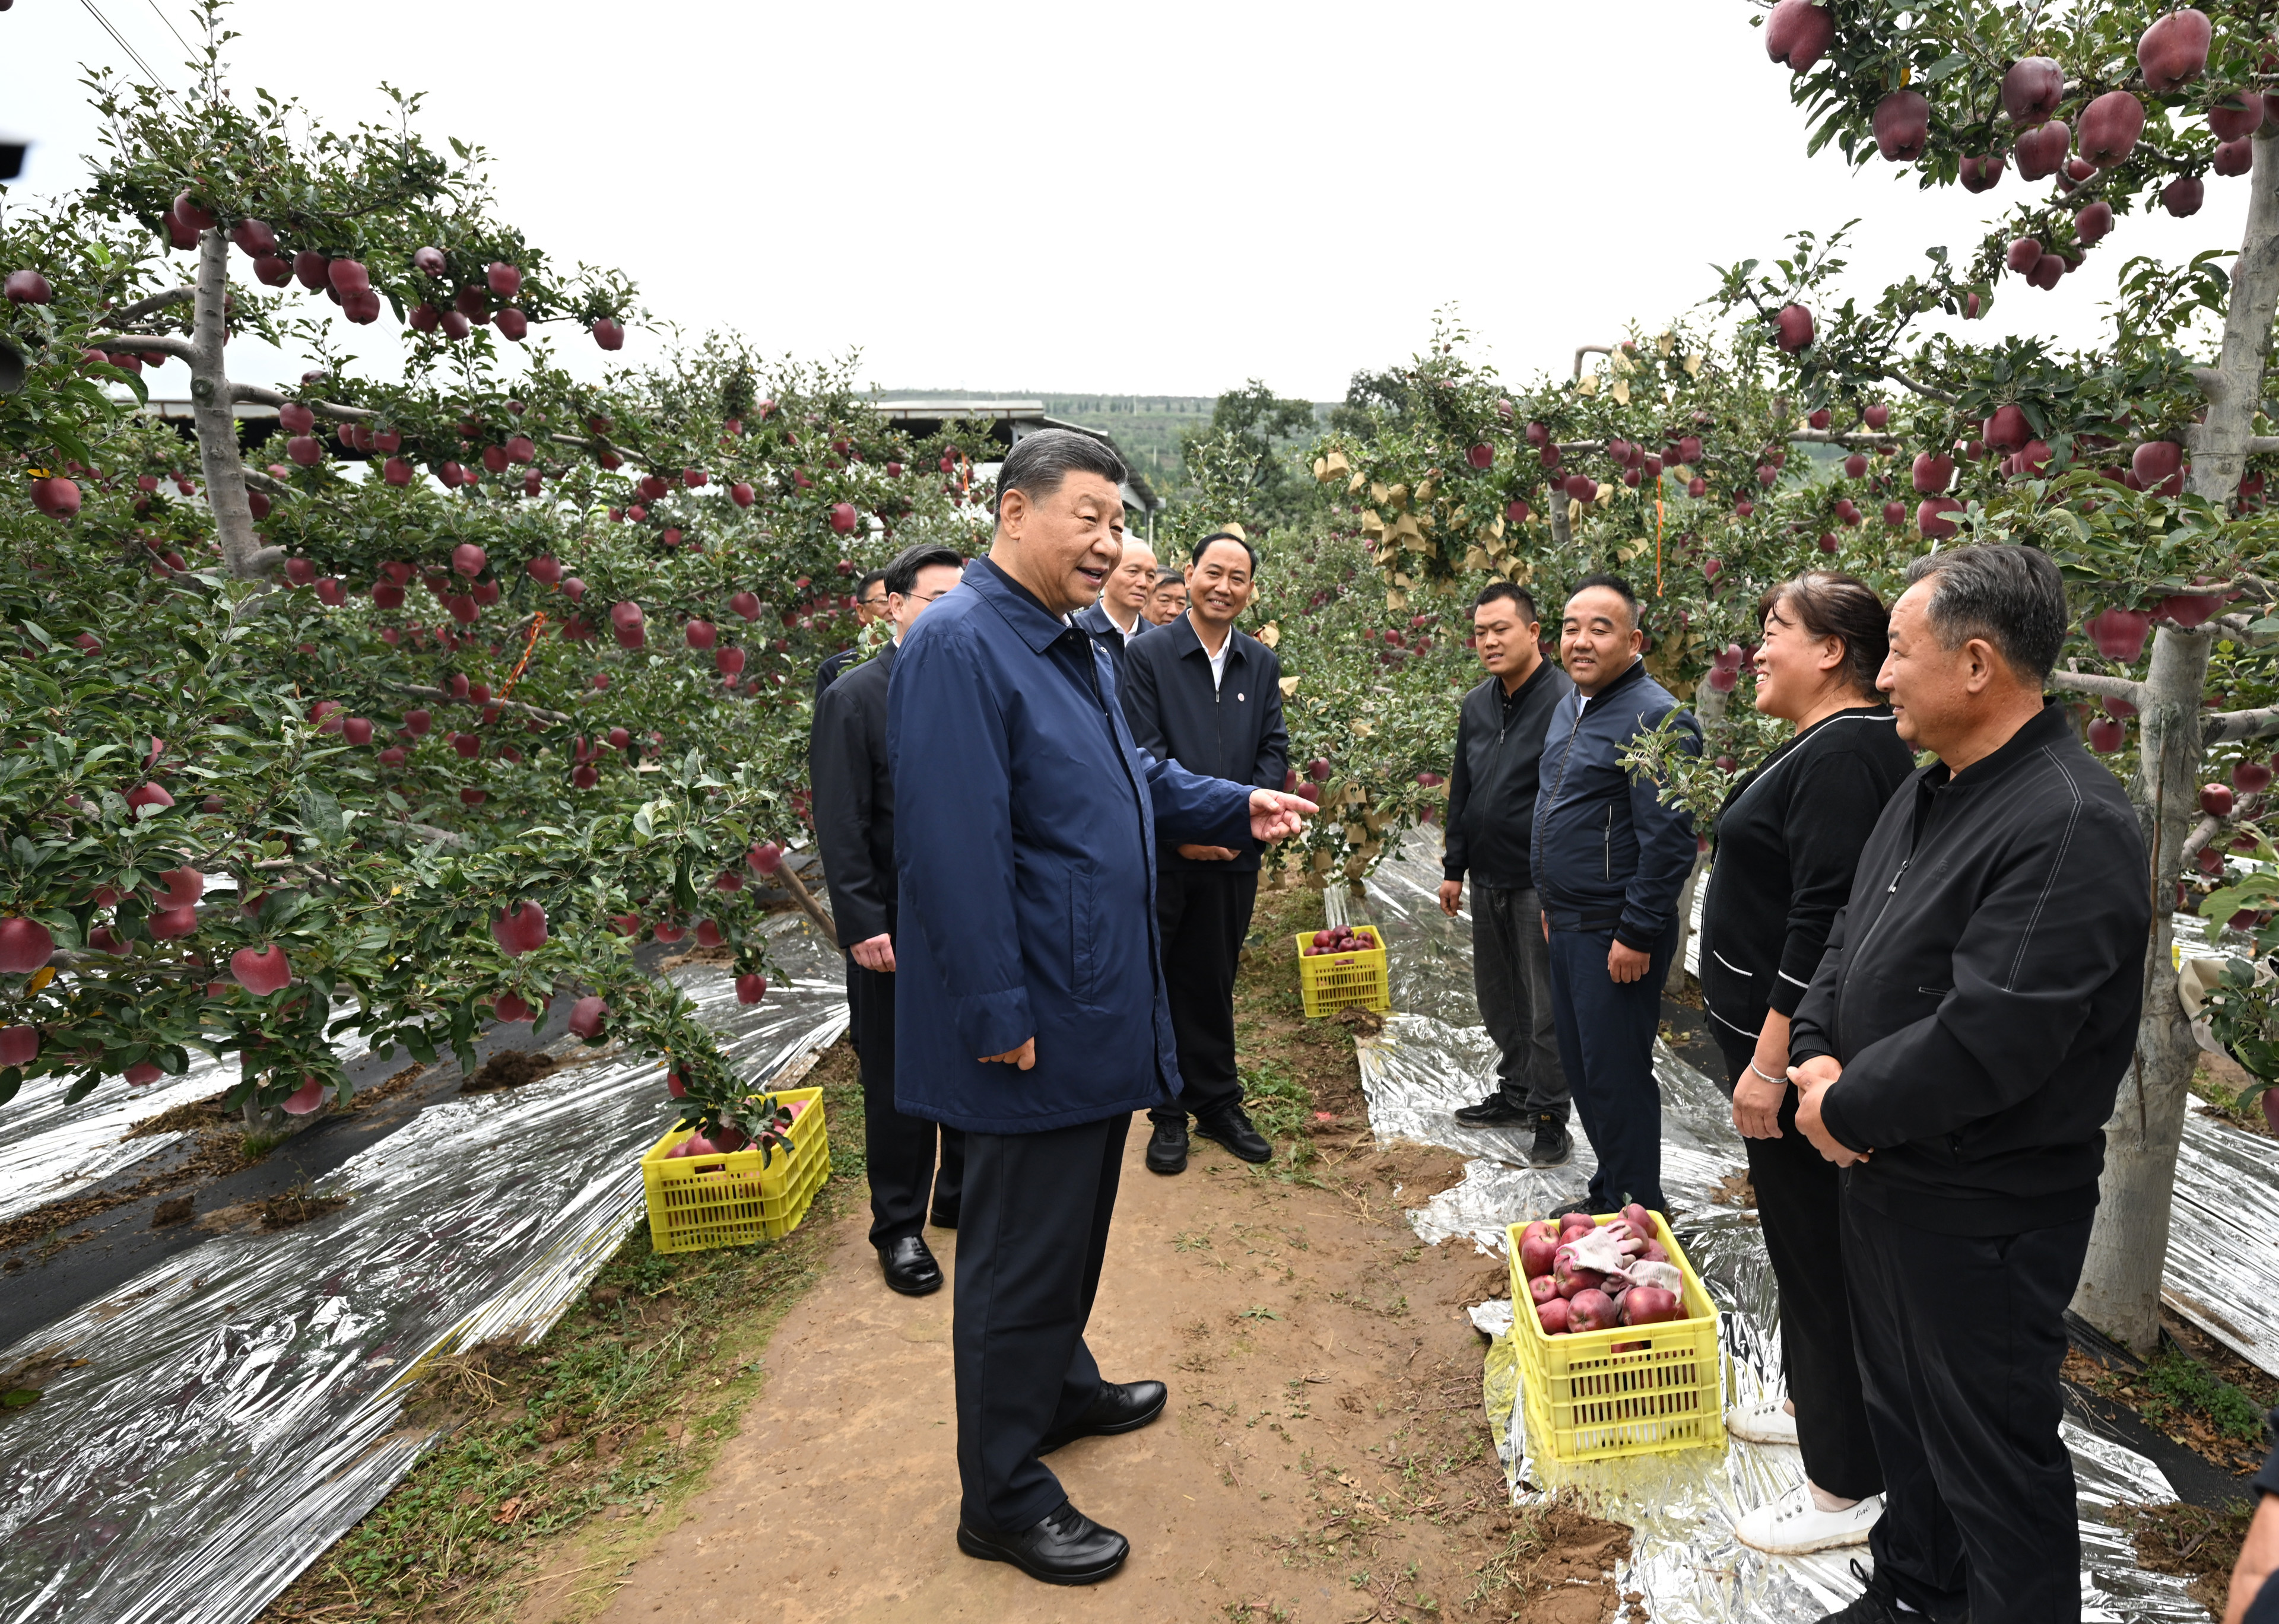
point(1959, 1051)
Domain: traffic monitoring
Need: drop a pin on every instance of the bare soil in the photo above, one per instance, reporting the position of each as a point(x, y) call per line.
point(2178, 1538)
point(508, 1069)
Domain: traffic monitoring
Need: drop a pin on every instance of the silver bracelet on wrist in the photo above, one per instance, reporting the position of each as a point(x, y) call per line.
point(1767, 1076)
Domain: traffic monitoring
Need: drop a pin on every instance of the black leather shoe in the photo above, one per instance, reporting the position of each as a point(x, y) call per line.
point(1553, 1146)
point(910, 1266)
point(943, 1218)
point(1232, 1128)
point(1565, 1207)
point(1122, 1406)
point(1493, 1112)
point(1167, 1148)
point(1066, 1547)
point(1878, 1604)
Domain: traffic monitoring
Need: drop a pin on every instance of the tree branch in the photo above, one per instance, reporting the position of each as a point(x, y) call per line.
point(260, 396)
point(2096, 682)
point(2203, 831)
point(443, 696)
point(1589, 350)
point(179, 349)
point(1911, 386)
point(2230, 726)
point(805, 897)
point(128, 314)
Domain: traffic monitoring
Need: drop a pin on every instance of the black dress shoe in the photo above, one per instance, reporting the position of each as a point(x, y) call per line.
point(1066, 1547)
point(1493, 1112)
point(1122, 1406)
point(1232, 1128)
point(943, 1218)
point(1167, 1147)
point(910, 1266)
point(1565, 1207)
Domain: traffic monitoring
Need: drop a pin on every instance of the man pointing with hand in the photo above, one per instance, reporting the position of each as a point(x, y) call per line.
point(1031, 1010)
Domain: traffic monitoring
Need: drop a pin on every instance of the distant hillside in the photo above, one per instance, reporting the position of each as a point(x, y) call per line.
point(1147, 427)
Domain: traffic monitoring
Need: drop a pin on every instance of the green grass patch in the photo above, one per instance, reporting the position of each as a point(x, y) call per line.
point(2177, 1380)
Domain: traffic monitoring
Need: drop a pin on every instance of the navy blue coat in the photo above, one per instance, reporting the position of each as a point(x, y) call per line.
point(1233, 731)
point(1025, 822)
point(1608, 853)
point(1095, 624)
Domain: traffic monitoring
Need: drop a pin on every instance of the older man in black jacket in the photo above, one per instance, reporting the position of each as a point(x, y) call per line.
point(1491, 788)
point(1201, 694)
point(1959, 1051)
point(1117, 619)
point(854, 825)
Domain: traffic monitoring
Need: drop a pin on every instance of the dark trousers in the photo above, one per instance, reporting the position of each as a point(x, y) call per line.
point(1606, 1042)
point(1797, 1205)
point(1203, 915)
point(1960, 1338)
point(1029, 1249)
point(854, 1005)
point(900, 1150)
point(1511, 973)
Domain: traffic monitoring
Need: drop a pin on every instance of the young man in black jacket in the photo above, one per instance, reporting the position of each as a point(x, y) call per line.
point(1959, 1051)
point(1609, 860)
point(855, 827)
point(1490, 816)
point(1201, 694)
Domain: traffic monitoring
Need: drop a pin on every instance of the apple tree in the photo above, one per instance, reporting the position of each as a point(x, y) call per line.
point(2137, 463)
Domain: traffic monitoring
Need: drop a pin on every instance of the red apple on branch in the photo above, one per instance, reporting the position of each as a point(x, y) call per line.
point(2236, 115)
point(2032, 87)
point(2110, 125)
point(2039, 151)
point(2183, 195)
point(260, 971)
point(1901, 123)
point(2215, 800)
point(1793, 325)
point(1981, 173)
point(1798, 33)
point(2174, 50)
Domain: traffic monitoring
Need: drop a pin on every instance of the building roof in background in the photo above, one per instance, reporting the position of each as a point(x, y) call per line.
point(1007, 421)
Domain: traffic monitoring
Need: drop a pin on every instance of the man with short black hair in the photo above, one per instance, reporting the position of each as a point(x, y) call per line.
point(1610, 859)
point(855, 827)
point(1958, 1052)
point(869, 609)
point(1208, 697)
point(1031, 1008)
point(1491, 788)
point(1117, 619)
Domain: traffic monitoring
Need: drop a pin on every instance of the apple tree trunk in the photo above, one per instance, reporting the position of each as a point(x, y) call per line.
point(213, 414)
point(2119, 1289)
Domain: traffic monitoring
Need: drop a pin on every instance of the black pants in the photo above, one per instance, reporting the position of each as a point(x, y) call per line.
point(899, 1149)
point(1605, 1043)
point(1797, 1205)
point(1511, 974)
point(1960, 1338)
point(1203, 915)
point(1029, 1249)
point(854, 1003)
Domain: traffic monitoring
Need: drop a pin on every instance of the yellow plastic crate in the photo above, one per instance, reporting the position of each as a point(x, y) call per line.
point(1587, 1402)
point(696, 1202)
point(1331, 982)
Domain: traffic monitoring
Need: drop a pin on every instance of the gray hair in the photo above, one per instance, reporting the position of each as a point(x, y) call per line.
point(2011, 596)
point(1038, 462)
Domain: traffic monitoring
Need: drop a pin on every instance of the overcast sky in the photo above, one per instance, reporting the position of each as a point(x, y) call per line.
point(1160, 199)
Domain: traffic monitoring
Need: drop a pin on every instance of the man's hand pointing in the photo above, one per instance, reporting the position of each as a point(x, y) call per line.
point(1275, 816)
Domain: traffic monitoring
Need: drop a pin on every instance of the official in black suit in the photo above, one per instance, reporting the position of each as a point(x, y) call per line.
point(870, 607)
point(1115, 619)
point(1208, 697)
point(854, 824)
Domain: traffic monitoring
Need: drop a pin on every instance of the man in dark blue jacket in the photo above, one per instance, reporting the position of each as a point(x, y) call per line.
point(1609, 860)
point(1030, 1007)
point(855, 827)
point(1210, 698)
point(1115, 619)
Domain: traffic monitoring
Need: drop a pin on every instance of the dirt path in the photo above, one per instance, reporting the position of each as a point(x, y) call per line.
point(1324, 1456)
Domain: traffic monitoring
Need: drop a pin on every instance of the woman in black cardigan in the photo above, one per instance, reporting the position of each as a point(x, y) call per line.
point(1787, 841)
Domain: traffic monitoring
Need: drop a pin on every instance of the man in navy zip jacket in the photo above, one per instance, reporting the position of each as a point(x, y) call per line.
point(1610, 861)
point(1210, 698)
point(1958, 1052)
point(1029, 997)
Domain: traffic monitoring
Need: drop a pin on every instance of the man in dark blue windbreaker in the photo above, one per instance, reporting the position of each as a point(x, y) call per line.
point(1610, 859)
point(1030, 1009)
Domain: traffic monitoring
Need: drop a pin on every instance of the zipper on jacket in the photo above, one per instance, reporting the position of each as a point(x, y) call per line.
point(1607, 846)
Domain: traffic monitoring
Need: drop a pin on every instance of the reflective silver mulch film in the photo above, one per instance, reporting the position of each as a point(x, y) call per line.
point(239, 1407)
point(1433, 1057)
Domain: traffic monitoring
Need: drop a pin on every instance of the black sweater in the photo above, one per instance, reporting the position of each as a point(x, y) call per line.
point(855, 799)
point(1788, 840)
point(1491, 785)
point(1981, 989)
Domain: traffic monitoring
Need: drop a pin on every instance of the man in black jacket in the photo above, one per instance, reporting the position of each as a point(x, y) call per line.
point(1210, 697)
point(1490, 816)
point(1115, 619)
point(1959, 1051)
point(854, 826)
point(870, 607)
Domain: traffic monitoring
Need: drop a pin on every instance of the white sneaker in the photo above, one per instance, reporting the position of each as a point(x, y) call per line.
point(1762, 1420)
point(1793, 1525)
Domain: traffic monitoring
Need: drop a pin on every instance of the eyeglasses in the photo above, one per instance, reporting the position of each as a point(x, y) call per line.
point(925, 597)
